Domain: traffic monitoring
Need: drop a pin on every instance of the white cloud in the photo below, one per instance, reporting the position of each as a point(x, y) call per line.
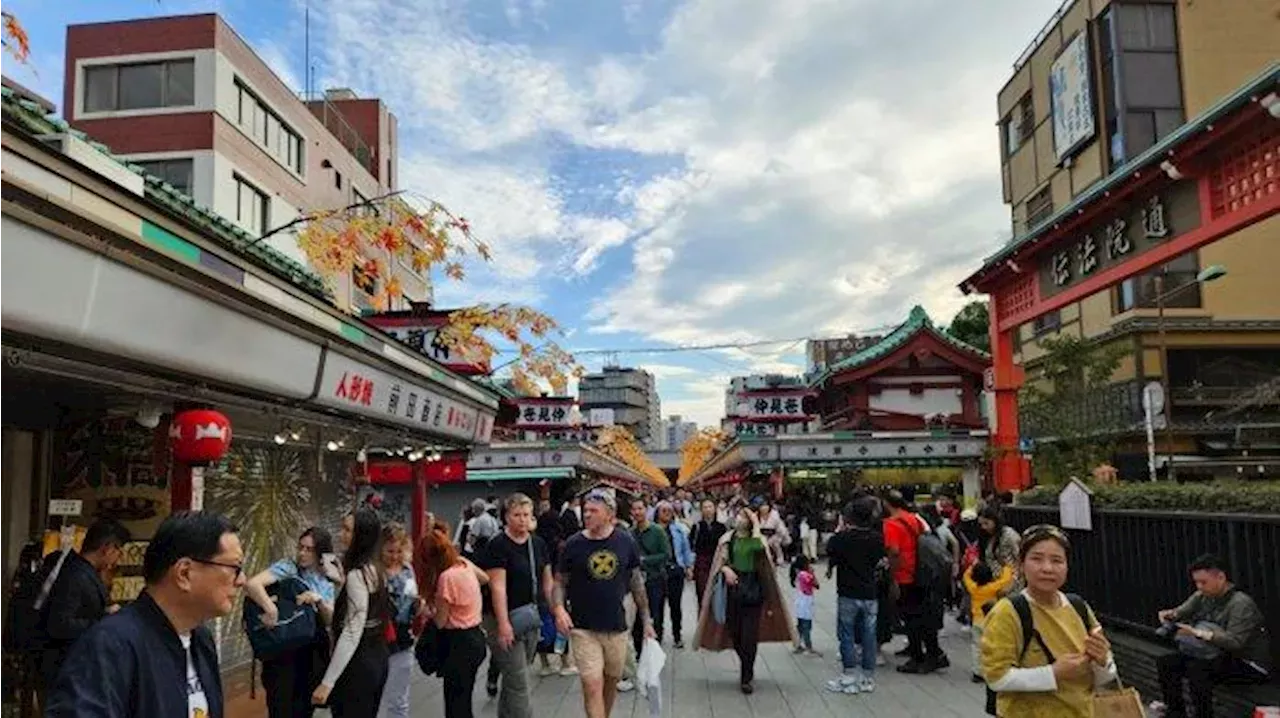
point(836, 159)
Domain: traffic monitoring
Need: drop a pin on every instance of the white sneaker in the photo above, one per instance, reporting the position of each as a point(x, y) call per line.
point(847, 684)
point(626, 686)
point(569, 671)
point(867, 684)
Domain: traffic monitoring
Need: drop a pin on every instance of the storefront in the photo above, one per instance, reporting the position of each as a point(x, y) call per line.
point(124, 306)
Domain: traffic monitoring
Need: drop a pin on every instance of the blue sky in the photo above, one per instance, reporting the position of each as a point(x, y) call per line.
point(671, 172)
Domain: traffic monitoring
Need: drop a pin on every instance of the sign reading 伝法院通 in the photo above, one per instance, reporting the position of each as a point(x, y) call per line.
point(1128, 232)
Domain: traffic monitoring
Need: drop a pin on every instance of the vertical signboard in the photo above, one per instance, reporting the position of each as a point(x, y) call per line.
point(1071, 98)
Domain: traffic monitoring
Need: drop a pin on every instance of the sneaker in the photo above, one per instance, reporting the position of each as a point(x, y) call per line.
point(626, 686)
point(815, 652)
point(547, 670)
point(941, 661)
point(569, 671)
point(847, 684)
point(798, 650)
point(918, 668)
point(678, 644)
point(881, 661)
point(867, 684)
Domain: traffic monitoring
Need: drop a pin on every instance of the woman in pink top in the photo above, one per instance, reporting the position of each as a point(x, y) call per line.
point(455, 584)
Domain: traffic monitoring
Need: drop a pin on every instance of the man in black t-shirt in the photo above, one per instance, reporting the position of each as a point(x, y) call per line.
point(596, 570)
point(856, 553)
point(514, 586)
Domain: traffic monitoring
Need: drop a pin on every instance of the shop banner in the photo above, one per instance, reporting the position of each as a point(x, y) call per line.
point(356, 387)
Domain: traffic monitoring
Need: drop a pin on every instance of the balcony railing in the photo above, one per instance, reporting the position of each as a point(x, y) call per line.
point(1116, 408)
point(334, 121)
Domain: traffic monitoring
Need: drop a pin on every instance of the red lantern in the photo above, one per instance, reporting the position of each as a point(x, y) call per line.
point(199, 436)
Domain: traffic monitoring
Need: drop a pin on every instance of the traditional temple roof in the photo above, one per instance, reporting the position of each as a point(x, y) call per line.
point(917, 321)
point(36, 121)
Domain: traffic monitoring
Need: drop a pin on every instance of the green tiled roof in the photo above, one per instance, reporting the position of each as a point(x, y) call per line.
point(916, 322)
point(1264, 82)
point(32, 118)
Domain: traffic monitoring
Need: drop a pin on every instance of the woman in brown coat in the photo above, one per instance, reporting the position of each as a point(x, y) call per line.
point(755, 610)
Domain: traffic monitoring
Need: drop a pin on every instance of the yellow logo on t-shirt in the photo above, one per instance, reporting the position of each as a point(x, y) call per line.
point(603, 565)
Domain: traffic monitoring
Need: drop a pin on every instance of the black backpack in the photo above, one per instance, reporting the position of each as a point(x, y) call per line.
point(23, 618)
point(1029, 633)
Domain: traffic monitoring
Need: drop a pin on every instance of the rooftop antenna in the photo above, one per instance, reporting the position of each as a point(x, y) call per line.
point(306, 49)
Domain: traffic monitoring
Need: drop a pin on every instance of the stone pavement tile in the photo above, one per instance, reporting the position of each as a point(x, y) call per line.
point(699, 684)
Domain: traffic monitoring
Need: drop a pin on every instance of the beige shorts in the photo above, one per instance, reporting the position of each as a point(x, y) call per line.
point(599, 654)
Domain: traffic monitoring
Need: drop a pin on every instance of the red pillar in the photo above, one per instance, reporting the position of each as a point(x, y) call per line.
point(1011, 472)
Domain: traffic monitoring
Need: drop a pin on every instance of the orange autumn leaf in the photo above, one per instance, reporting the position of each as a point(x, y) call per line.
point(15, 38)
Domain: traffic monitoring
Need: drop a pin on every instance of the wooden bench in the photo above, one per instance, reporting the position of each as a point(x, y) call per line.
point(1136, 659)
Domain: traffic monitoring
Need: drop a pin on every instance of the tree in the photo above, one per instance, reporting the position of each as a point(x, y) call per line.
point(618, 442)
point(1069, 408)
point(698, 450)
point(427, 236)
point(971, 324)
point(15, 37)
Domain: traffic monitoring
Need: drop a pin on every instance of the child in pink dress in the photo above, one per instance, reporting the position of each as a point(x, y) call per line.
point(806, 583)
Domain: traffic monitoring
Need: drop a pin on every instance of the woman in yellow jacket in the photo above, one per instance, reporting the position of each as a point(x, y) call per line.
point(1052, 673)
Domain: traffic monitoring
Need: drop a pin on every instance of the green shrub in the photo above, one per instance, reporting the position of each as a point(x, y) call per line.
point(1231, 497)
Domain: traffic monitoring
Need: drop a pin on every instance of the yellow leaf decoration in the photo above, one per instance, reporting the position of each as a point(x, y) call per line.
point(698, 450)
point(618, 442)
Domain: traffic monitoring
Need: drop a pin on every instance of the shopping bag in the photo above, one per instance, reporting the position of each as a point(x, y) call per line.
point(1120, 703)
point(649, 675)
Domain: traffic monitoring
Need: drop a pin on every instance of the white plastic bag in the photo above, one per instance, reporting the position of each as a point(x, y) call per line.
point(649, 675)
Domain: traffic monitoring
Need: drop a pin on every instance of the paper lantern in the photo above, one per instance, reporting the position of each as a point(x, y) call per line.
point(199, 436)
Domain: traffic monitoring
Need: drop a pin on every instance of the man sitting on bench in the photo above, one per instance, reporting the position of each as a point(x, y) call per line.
point(1221, 639)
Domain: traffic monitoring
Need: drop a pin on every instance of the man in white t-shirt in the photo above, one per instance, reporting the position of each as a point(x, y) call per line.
point(155, 658)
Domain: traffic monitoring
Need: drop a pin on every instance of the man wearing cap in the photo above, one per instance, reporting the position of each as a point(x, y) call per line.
point(597, 568)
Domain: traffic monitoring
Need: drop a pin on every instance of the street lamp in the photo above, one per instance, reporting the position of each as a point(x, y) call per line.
point(1209, 274)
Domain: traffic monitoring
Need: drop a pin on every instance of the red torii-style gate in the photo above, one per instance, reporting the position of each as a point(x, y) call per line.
point(1214, 176)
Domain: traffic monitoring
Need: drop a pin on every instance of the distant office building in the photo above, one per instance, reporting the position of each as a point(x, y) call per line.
point(632, 396)
point(676, 431)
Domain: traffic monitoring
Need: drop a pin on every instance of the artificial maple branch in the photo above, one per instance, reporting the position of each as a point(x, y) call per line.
point(338, 241)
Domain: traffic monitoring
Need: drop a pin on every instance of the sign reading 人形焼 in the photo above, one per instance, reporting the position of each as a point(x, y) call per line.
point(1126, 233)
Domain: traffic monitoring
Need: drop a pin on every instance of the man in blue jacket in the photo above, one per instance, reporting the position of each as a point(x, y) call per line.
point(153, 658)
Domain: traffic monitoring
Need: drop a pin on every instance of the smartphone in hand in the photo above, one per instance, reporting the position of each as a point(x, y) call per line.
point(330, 567)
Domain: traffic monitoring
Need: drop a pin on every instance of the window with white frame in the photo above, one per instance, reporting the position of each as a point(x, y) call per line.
point(252, 207)
point(267, 129)
point(140, 86)
point(177, 172)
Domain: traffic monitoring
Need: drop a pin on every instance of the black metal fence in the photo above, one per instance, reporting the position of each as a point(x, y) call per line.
point(1134, 563)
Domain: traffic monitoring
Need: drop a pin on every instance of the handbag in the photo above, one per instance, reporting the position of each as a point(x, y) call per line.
point(526, 619)
point(1125, 702)
point(295, 628)
point(428, 648)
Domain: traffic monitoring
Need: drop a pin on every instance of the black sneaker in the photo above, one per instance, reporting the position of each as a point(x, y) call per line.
point(677, 644)
point(919, 668)
point(941, 661)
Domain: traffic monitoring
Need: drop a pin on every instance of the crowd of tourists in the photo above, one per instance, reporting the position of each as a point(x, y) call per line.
point(583, 589)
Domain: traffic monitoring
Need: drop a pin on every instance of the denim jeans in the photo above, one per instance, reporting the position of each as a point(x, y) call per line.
point(851, 613)
point(804, 626)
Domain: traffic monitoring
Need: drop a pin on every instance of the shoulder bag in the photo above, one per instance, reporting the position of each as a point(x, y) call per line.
point(526, 619)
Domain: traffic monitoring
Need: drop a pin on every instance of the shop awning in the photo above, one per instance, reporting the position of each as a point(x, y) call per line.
point(564, 472)
point(160, 286)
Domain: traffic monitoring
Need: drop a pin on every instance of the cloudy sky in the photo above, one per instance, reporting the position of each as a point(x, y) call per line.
point(665, 173)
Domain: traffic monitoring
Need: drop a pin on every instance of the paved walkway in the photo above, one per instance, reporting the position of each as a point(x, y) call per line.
point(699, 684)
